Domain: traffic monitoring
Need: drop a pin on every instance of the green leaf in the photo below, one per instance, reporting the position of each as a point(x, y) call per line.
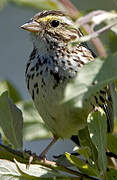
point(112, 143)
point(11, 170)
point(112, 21)
point(13, 92)
point(110, 18)
point(86, 152)
point(112, 42)
point(88, 82)
point(63, 161)
point(85, 141)
point(97, 126)
point(39, 4)
point(35, 170)
point(82, 166)
point(11, 121)
point(114, 100)
point(112, 174)
point(8, 153)
point(34, 127)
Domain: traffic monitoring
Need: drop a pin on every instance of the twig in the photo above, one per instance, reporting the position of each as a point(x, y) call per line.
point(23, 157)
point(75, 12)
point(33, 177)
point(86, 19)
point(77, 173)
point(67, 170)
point(95, 34)
point(96, 42)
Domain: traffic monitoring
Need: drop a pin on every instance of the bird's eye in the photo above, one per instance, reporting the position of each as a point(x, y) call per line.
point(55, 23)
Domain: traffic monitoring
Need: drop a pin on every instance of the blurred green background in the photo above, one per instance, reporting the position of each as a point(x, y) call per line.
point(15, 47)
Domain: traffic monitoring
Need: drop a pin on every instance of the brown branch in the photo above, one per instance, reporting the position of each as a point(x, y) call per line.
point(96, 41)
point(70, 8)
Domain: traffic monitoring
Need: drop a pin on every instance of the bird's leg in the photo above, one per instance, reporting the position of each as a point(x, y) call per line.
point(42, 155)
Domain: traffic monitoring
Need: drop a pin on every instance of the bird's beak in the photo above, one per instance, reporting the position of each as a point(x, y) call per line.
point(31, 26)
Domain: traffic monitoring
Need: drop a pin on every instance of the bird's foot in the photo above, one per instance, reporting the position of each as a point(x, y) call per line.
point(43, 159)
point(31, 158)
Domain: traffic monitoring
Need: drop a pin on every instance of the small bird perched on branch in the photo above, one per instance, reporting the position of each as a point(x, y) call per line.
point(51, 66)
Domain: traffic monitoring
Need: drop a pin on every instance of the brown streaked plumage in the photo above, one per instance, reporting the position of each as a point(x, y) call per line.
point(46, 13)
point(51, 66)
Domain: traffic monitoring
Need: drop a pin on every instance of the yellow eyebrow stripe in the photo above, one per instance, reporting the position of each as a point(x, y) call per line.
point(52, 17)
point(48, 18)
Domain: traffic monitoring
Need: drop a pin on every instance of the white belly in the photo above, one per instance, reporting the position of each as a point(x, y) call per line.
point(63, 120)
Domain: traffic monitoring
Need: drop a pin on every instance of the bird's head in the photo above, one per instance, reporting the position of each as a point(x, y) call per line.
point(52, 25)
